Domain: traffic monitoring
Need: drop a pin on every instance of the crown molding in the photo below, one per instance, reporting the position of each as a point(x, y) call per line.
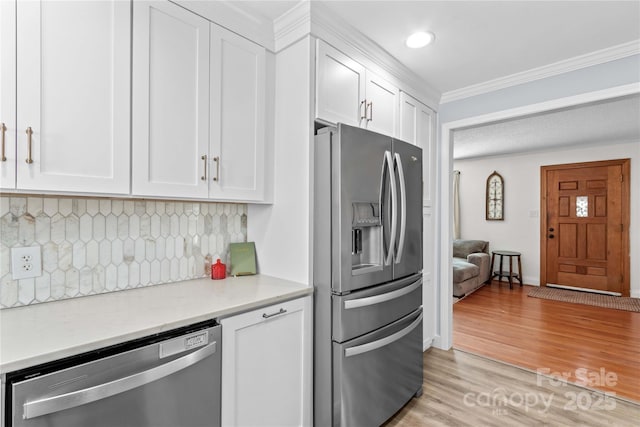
point(578, 62)
point(292, 25)
point(316, 19)
point(343, 36)
point(227, 14)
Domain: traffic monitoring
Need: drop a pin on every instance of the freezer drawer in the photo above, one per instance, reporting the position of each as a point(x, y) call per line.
point(360, 312)
point(376, 374)
point(167, 383)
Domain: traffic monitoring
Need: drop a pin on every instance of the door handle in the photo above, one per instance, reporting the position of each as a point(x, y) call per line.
point(4, 130)
point(551, 236)
point(29, 157)
point(377, 299)
point(394, 207)
point(365, 348)
point(217, 160)
point(403, 208)
point(551, 229)
point(363, 109)
point(204, 177)
point(370, 108)
point(73, 399)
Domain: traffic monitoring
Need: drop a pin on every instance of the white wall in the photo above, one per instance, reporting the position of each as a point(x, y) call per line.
point(520, 230)
point(282, 230)
point(597, 77)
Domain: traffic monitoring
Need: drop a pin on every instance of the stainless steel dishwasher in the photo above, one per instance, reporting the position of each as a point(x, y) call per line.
point(170, 379)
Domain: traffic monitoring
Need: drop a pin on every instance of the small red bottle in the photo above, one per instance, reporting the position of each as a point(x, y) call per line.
point(218, 270)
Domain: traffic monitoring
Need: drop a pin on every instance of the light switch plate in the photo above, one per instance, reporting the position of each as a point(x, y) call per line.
point(26, 262)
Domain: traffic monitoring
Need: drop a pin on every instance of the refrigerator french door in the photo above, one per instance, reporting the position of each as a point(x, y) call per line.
point(367, 275)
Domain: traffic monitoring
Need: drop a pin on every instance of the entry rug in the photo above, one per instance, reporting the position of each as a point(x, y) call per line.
point(577, 297)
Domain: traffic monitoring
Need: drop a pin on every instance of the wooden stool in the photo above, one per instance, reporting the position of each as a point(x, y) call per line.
point(510, 274)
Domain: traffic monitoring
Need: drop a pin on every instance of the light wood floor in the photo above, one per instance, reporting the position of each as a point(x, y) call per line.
point(592, 346)
point(461, 389)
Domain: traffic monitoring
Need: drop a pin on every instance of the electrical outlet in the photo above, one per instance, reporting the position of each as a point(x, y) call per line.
point(26, 262)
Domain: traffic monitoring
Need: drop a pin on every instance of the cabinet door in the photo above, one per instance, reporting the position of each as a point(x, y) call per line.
point(73, 92)
point(382, 105)
point(266, 366)
point(238, 75)
point(340, 87)
point(8, 94)
point(170, 101)
point(417, 126)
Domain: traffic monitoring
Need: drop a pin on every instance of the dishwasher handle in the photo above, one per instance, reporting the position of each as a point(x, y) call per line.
point(73, 399)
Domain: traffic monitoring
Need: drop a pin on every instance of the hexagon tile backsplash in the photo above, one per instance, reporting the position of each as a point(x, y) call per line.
point(93, 246)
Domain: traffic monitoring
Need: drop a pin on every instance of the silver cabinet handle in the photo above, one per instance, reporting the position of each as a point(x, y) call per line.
point(370, 346)
point(363, 109)
point(29, 133)
point(394, 206)
point(204, 177)
point(217, 160)
point(377, 299)
point(73, 399)
point(403, 208)
point(370, 108)
point(266, 316)
point(4, 130)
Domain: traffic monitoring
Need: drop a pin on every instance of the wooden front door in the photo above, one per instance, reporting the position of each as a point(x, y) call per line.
point(584, 237)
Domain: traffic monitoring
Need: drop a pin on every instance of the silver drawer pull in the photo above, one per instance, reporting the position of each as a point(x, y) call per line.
point(266, 316)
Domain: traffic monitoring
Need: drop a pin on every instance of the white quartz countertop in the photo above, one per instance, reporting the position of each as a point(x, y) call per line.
point(41, 333)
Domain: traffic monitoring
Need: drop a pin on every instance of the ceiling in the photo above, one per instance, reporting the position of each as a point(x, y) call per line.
point(479, 41)
point(600, 123)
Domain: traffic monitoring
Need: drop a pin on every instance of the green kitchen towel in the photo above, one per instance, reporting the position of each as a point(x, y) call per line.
point(243, 258)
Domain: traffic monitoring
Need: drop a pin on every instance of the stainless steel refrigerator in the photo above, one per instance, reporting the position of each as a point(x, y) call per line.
point(367, 262)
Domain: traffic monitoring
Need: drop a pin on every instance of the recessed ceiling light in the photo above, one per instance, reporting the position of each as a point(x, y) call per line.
point(420, 39)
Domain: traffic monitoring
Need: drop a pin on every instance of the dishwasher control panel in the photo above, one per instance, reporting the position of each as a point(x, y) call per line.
point(184, 343)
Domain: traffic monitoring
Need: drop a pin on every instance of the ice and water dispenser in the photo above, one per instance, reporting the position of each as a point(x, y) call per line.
point(366, 237)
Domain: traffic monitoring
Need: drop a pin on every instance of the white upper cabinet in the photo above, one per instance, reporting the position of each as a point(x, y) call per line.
point(72, 95)
point(170, 101)
point(348, 93)
point(340, 87)
point(198, 107)
point(417, 126)
point(238, 107)
point(8, 94)
point(381, 105)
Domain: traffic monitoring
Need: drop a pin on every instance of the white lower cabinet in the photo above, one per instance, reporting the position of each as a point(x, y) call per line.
point(267, 366)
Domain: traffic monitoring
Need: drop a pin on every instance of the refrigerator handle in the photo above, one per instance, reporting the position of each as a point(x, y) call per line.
point(365, 348)
point(394, 207)
point(403, 208)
